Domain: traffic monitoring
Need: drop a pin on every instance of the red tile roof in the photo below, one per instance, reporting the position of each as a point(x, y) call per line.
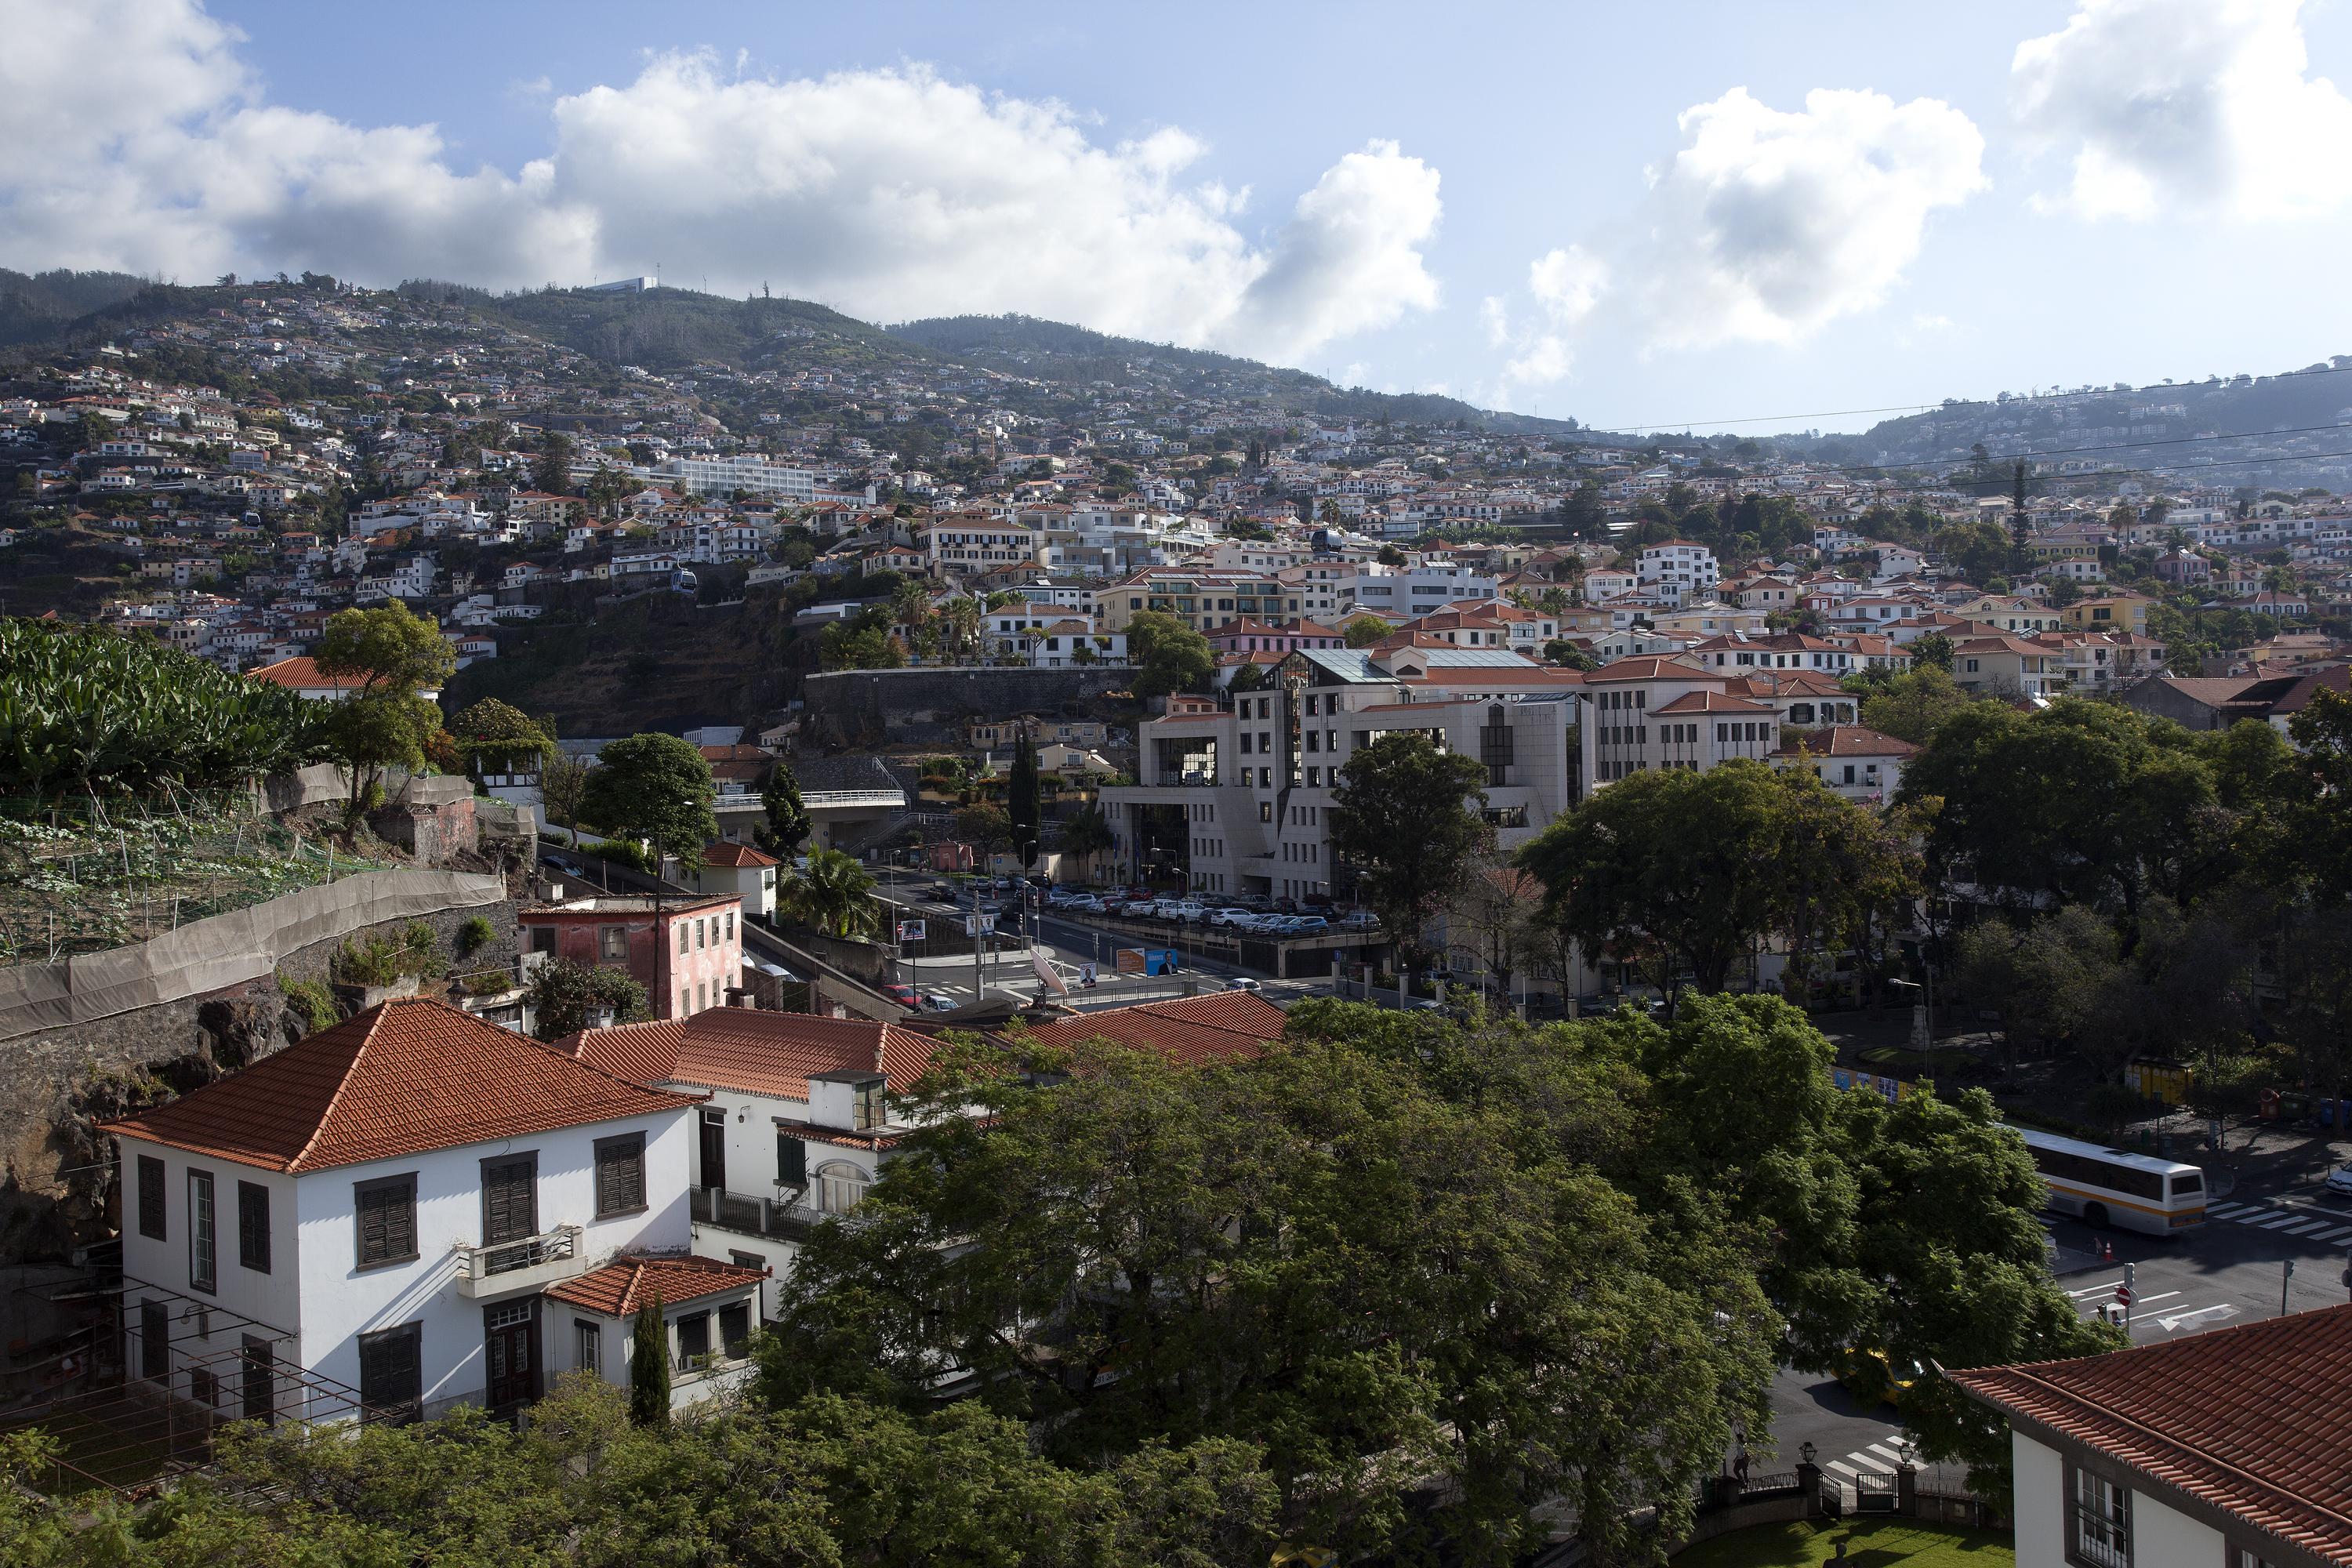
point(301, 675)
point(754, 1050)
point(1711, 702)
point(2253, 1419)
point(1220, 1025)
point(1845, 741)
point(402, 1077)
point(622, 1286)
point(726, 855)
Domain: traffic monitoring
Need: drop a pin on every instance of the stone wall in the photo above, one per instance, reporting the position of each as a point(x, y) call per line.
point(868, 708)
point(56, 1192)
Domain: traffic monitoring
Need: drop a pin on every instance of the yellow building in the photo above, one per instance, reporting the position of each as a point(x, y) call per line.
point(2109, 613)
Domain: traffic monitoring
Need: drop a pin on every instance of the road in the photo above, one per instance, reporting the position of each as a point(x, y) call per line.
point(1072, 942)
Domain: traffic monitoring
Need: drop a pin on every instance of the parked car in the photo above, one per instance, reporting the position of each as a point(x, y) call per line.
point(944, 892)
point(1301, 925)
point(1234, 917)
point(905, 995)
point(1361, 920)
point(1083, 906)
point(1138, 909)
point(2339, 1180)
point(1243, 982)
point(1184, 910)
point(937, 1002)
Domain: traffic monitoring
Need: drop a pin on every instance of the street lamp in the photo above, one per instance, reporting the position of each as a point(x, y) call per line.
point(1805, 1453)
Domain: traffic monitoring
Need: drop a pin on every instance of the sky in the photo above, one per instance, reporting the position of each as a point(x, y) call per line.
point(1678, 215)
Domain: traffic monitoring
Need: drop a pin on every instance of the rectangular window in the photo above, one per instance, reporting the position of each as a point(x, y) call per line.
point(151, 1198)
point(391, 1371)
point(154, 1340)
point(2099, 1532)
point(253, 1226)
point(684, 938)
point(730, 925)
point(588, 1346)
point(693, 1338)
point(204, 1263)
point(613, 944)
point(203, 1387)
point(386, 1210)
point(735, 1328)
point(792, 1161)
point(620, 1175)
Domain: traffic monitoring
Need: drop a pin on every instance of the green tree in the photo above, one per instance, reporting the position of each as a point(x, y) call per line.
point(376, 731)
point(1909, 706)
point(985, 826)
point(834, 894)
point(1021, 798)
point(649, 1367)
point(1406, 817)
point(551, 473)
point(1582, 512)
point(385, 651)
point(1085, 833)
point(656, 787)
point(1363, 631)
point(1312, 1250)
point(565, 998)
point(492, 735)
point(563, 785)
point(786, 825)
point(1932, 649)
point(1569, 655)
point(1170, 655)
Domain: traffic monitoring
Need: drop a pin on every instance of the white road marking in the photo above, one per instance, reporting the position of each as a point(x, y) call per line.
point(1842, 1466)
point(2144, 1300)
point(2174, 1322)
point(2333, 1233)
point(1884, 1452)
point(2303, 1226)
point(1859, 1457)
point(2096, 1290)
point(2226, 1210)
point(2274, 1224)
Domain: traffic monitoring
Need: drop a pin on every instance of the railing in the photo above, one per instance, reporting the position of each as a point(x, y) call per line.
point(561, 1244)
point(757, 1216)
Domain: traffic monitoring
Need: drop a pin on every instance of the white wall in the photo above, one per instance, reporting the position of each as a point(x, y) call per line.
point(2040, 1509)
point(269, 1300)
point(341, 1301)
point(2167, 1538)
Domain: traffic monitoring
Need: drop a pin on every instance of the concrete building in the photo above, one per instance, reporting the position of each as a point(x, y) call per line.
point(686, 952)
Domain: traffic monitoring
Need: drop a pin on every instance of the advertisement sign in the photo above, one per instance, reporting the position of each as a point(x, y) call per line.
point(910, 931)
point(982, 925)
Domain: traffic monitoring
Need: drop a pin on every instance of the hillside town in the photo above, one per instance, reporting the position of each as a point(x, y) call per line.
point(962, 900)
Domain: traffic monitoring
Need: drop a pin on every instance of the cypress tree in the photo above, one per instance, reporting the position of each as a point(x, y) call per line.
point(649, 1368)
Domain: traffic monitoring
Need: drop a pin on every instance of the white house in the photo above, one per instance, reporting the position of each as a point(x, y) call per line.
point(1857, 763)
point(399, 1210)
point(1678, 569)
point(2223, 1447)
point(738, 868)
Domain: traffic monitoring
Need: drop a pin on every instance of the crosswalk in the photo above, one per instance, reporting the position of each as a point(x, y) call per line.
point(2164, 1310)
point(2327, 1229)
point(1877, 1460)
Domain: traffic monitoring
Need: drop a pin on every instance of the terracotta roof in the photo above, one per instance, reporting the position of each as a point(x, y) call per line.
point(1711, 702)
point(2251, 1419)
point(402, 1077)
point(297, 674)
point(1220, 1025)
point(1845, 741)
point(622, 1286)
point(1645, 666)
point(726, 854)
point(754, 1051)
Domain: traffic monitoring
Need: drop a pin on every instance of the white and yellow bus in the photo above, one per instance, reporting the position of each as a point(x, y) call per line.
point(2106, 1186)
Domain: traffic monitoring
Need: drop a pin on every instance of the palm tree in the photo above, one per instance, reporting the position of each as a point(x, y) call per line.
point(835, 895)
point(963, 618)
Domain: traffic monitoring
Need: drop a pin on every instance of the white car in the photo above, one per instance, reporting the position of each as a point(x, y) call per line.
point(2339, 1180)
point(1230, 917)
point(1242, 983)
point(939, 1003)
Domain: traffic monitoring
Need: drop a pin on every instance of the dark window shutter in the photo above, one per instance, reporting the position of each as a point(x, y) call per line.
point(620, 1175)
point(387, 1220)
point(253, 1226)
point(791, 1160)
point(150, 1197)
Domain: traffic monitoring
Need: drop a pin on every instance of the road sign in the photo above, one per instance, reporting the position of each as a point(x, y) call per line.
point(2123, 1296)
point(910, 931)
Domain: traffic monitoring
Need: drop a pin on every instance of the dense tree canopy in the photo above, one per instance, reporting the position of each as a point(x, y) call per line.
point(1407, 817)
point(656, 787)
point(1169, 655)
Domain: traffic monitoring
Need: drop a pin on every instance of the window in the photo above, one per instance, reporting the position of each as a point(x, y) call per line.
point(588, 1346)
point(685, 1000)
point(620, 1175)
point(1265, 811)
point(391, 1371)
point(693, 1338)
point(386, 1210)
point(735, 1328)
point(150, 1197)
point(792, 1161)
point(253, 1226)
point(730, 925)
point(542, 939)
point(684, 938)
point(154, 1340)
point(841, 1187)
point(204, 1387)
point(611, 944)
point(868, 1110)
point(2099, 1531)
point(203, 1265)
point(702, 933)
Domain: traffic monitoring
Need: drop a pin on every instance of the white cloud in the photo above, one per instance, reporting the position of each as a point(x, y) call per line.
point(2201, 107)
point(1564, 285)
point(1769, 224)
point(132, 135)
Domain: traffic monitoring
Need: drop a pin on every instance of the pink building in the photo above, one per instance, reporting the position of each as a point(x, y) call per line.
point(688, 953)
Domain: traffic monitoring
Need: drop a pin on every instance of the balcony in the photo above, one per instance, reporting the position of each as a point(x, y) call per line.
point(757, 1216)
point(520, 1267)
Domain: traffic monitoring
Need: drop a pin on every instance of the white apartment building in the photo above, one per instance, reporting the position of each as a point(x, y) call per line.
point(1409, 592)
point(1654, 711)
point(725, 476)
point(1678, 569)
point(968, 546)
point(1234, 797)
point(418, 1207)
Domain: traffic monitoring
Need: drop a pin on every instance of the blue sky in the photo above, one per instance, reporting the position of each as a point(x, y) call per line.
point(1631, 216)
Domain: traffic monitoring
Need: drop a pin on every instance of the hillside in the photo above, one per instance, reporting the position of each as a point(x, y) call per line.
point(37, 306)
point(666, 329)
point(1054, 351)
point(2282, 431)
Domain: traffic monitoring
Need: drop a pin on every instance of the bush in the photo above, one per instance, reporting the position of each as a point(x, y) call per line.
point(476, 934)
point(311, 1002)
point(385, 960)
point(621, 852)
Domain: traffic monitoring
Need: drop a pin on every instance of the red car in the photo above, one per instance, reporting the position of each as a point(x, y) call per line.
point(902, 994)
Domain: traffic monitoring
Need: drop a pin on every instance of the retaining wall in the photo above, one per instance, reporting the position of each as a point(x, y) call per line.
point(930, 706)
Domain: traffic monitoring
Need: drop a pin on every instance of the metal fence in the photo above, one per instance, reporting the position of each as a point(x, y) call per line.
point(93, 876)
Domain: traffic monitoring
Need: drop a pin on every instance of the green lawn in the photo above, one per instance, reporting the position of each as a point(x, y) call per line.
point(1870, 1543)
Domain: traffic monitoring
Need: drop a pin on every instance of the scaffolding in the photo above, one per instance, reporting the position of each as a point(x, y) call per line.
point(138, 1385)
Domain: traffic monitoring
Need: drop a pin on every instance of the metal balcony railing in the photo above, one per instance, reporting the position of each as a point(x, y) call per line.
point(561, 1244)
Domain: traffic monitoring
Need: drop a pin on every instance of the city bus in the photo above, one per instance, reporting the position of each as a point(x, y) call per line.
point(2104, 1187)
